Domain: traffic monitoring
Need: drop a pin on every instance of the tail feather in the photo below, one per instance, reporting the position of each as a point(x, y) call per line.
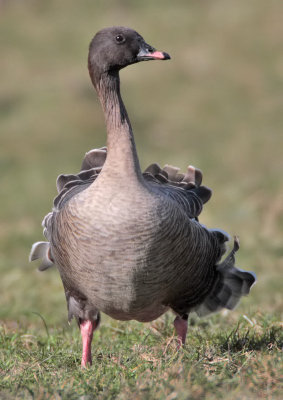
point(41, 250)
point(230, 285)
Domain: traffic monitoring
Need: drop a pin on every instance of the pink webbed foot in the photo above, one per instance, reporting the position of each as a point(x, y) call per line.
point(87, 328)
point(181, 326)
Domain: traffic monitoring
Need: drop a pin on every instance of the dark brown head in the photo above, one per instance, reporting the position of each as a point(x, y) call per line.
point(114, 48)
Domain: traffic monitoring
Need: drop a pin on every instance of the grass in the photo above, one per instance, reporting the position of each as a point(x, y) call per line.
point(136, 361)
point(217, 105)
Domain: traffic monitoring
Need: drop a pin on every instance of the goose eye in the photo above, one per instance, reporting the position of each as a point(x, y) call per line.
point(120, 39)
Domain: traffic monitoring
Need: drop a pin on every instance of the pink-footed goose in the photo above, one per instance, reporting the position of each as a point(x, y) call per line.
point(129, 243)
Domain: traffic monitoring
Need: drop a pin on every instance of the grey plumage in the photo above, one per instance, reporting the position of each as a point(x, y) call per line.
point(126, 243)
point(229, 285)
point(41, 250)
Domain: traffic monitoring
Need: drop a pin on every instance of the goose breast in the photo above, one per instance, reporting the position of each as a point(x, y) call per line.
point(124, 251)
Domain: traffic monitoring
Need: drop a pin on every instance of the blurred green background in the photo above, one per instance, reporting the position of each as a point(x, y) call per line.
point(217, 105)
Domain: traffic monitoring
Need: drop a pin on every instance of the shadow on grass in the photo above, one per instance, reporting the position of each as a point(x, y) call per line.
point(247, 340)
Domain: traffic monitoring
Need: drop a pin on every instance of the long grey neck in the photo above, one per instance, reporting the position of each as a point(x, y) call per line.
point(122, 159)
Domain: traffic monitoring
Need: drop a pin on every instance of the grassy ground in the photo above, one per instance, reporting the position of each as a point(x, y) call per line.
point(233, 359)
point(217, 105)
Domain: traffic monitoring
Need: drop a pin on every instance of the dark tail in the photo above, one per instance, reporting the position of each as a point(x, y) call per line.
point(230, 285)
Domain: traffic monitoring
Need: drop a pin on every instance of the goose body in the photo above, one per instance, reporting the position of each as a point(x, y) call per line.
point(128, 243)
point(138, 243)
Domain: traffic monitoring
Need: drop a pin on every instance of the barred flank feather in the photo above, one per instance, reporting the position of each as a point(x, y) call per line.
point(230, 285)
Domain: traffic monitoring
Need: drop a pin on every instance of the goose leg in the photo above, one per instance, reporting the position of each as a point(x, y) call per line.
point(181, 326)
point(87, 327)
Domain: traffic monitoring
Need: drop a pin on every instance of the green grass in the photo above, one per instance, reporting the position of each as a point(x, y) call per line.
point(132, 360)
point(217, 105)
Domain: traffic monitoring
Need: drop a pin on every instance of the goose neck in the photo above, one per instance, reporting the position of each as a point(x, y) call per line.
point(121, 149)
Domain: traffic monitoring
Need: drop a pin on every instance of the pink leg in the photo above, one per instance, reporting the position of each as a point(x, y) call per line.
point(181, 326)
point(87, 328)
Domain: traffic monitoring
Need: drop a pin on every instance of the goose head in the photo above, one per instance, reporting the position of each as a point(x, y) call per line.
point(114, 48)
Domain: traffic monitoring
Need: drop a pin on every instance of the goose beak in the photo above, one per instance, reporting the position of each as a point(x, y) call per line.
point(147, 53)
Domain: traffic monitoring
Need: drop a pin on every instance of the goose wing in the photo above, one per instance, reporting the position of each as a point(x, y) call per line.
point(184, 189)
point(67, 187)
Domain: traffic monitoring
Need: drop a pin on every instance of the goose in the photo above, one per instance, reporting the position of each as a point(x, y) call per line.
point(130, 244)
